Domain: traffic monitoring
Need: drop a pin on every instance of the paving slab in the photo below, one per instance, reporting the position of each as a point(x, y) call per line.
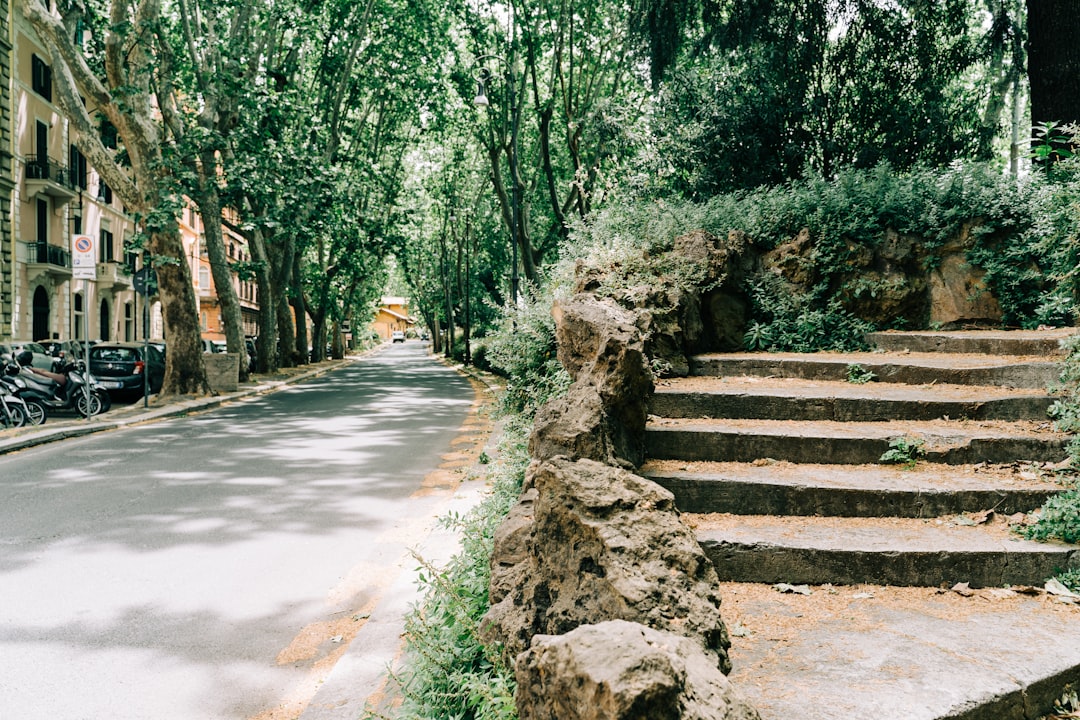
point(912, 653)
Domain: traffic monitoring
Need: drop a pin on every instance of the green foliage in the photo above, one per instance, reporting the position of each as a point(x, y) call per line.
point(905, 451)
point(858, 375)
point(792, 323)
point(1071, 580)
point(772, 89)
point(450, 672)
point(523, 350)
point(1059, 519)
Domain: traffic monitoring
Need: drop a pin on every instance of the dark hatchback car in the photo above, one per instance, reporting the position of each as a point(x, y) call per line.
point(121, 367)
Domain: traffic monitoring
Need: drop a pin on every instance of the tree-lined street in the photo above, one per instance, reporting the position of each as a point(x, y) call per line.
point(213, 566)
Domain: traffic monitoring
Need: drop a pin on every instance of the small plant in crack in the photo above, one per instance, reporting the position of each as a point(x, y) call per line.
point(904, 451)
point(859, 375)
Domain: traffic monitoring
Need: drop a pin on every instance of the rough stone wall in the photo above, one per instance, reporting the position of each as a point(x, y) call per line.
point(589, 541)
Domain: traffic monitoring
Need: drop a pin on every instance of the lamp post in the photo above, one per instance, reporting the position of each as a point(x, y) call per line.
point(481, 100)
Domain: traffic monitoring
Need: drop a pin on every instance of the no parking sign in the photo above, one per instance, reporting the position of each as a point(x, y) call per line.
point(83, 260)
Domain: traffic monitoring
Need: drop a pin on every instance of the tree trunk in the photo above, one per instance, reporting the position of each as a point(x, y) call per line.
point(302, 351)
point(1054, 60)
point(210, 208)
point(266, 345)
point(184, 371)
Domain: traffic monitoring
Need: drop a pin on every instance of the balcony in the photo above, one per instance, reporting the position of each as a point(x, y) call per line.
point(113, 274)
point(42, 258)
point(46, 176)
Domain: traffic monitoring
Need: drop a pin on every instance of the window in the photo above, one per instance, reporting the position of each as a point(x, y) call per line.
point(42, 77)
point(42, 221)
point(105, 246)
point(77, 163)
point(129, 322)
point(104, 192)
point(204, 278)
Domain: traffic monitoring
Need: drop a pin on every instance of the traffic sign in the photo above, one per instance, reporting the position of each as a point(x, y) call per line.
point(83, 258)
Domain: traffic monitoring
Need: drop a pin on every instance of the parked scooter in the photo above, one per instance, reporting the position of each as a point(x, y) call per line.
point(13, 409)
point(60, 391)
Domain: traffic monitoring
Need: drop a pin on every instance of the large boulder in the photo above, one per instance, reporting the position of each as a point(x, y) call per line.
point(604, 544)
point(619, 670)
point(602, 417)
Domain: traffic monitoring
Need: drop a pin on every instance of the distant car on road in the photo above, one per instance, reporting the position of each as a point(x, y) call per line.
point(120, 367)
point(397, 336)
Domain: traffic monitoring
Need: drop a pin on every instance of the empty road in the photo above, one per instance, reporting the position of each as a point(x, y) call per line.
point(216, 566)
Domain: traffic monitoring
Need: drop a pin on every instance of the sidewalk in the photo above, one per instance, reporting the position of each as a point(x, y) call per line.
point(60, 427)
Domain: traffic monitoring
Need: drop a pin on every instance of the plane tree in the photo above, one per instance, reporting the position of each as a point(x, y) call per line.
point(117, 77)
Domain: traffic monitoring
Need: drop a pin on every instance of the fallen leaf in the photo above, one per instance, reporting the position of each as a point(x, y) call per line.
point(1055, 587)
point(798, 589)
point(739, 630)
point(963, 589)
point(1001, 593)
point(982, 517)
point(862, 596)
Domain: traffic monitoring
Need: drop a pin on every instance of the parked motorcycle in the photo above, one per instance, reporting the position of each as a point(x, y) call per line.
point(60, 391)
point(13, 409)
point(14, 404)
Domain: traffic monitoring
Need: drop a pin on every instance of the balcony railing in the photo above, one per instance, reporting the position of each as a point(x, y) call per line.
point(43, 253)
point(47, 169)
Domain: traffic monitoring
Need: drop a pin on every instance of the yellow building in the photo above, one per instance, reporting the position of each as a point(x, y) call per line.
point(393, 314)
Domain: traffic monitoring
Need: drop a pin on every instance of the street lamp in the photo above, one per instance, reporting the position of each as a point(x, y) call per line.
point(481, 100)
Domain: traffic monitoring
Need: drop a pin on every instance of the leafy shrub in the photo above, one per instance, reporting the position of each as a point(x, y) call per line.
point(522, 349)
point(1059, 519)
point(904, 451)
point(450, 672)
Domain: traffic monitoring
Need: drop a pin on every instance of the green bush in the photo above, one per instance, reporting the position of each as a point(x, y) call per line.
point(1059, 519)
point(450, 672)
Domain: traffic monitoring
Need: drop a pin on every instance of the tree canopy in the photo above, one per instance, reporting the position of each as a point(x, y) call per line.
point(335, 135)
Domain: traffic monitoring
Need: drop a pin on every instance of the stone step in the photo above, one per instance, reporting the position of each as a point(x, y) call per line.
point(887, 367)
point(916, 653)
point(797, 399)
point(781, 488)
point(989, 342)
point(948, 442)
point(881, 551)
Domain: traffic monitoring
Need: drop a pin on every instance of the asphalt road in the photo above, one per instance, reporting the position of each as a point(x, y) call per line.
point(216, 566)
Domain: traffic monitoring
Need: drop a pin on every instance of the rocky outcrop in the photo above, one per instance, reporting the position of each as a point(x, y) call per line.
point(618, 670)
point(603, 544)
point(602, 417)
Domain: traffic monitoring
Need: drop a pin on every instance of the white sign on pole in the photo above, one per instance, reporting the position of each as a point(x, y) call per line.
point(83, 258)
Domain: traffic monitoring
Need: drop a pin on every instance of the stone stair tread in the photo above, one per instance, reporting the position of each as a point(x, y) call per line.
point(869, 535)
point(883, 357)
point(987, 340)
point(869, 651)
point(934, 432)
point(1037, 371)
point(799, 387)
point(925, 477)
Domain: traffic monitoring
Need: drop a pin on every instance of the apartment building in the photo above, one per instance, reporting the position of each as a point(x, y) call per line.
point(50, 197)
point(211, 322)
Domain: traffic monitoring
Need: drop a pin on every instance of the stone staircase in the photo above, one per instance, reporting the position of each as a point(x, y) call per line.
point(774, 459)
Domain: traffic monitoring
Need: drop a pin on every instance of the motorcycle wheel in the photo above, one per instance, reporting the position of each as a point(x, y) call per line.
point(105, 398)
point(14, 416)
point(80, 405)
point(35, 412)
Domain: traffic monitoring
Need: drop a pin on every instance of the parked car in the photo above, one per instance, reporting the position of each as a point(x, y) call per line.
point(397, 336)
point(121, 367)
point(42, 359)
point(64, 350)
